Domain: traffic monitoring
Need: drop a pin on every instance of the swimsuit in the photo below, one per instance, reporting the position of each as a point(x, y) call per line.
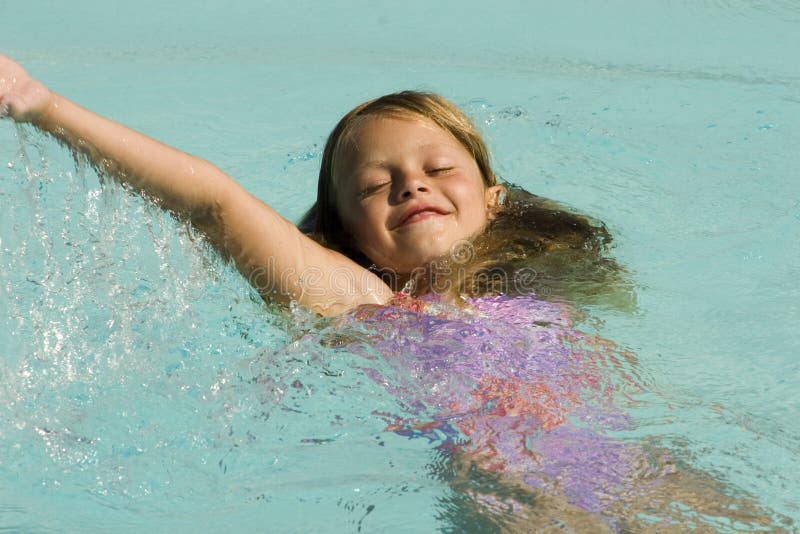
point(508, 382)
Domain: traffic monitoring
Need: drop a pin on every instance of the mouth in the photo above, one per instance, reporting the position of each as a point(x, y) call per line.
point(418, 214)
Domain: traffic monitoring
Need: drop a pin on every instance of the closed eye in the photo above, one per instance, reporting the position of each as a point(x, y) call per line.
point(372, 189)
point(439, 170)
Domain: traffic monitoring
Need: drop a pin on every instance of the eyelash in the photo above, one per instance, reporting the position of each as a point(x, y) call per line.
point(367, 191)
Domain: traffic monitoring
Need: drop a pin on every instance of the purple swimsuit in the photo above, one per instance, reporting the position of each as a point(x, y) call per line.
point(509, 383)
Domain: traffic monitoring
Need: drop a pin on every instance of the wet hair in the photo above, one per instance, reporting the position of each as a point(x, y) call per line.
point(532, 244)
point(322, 221)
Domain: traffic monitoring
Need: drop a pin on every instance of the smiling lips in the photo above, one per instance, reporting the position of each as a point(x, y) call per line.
point(419, 213)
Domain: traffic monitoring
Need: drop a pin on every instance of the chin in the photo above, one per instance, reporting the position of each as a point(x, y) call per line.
point(421, 261)
point(414, 257)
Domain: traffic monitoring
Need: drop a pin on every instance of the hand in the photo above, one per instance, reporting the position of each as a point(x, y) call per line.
point(21, 97)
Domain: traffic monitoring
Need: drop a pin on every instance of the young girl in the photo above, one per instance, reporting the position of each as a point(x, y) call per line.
point(405, 181)
point(408, 206)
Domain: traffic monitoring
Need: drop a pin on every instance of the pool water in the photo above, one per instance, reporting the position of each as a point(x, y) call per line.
point(142, 385)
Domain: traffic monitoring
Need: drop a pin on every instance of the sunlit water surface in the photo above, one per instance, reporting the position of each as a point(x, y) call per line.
point(142, 385)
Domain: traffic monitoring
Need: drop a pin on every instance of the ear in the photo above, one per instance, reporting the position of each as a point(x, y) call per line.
point(495, 198)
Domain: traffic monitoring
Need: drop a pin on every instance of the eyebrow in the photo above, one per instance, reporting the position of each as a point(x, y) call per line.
point(382, 163)
point(375, 163)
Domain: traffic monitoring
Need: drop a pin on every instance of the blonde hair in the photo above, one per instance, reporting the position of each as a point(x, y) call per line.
point(529, 235)
point(322, 221)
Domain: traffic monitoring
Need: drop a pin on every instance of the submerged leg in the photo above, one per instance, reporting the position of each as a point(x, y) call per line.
point(665, 499)
point(691, 499)
point(488, 501)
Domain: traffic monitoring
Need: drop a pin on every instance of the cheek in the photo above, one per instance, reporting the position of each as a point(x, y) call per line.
point(369, 225)
point(474, 200)
point(360, 221)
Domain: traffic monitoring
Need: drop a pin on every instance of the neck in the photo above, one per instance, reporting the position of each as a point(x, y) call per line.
point(422, 280)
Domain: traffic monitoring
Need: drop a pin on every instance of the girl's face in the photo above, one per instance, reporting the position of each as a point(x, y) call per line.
point(407, 191)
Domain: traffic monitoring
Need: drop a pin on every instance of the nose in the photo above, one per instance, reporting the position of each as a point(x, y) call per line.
point(410, 185)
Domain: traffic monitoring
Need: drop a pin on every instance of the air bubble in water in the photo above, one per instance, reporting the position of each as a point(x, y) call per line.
point(10, 164)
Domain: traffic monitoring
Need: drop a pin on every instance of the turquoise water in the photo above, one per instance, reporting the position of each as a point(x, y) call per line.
point(124, 344)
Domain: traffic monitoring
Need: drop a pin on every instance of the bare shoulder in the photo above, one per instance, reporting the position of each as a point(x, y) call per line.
point(284, 265)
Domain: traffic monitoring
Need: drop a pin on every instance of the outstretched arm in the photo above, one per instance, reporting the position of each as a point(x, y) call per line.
point(279, 260)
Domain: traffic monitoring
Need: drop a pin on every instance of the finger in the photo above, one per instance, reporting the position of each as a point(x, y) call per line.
point(11, 107)
point(5, 107)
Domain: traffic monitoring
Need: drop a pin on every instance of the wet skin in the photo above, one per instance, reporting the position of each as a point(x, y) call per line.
point(407, 191)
